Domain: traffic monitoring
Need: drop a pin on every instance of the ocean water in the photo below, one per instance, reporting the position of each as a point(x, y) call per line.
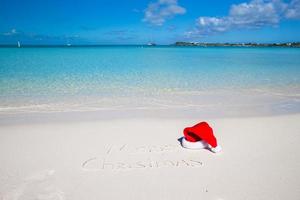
point(181, 79)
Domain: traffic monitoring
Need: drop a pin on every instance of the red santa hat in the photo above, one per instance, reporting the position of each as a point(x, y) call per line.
point(199, 135)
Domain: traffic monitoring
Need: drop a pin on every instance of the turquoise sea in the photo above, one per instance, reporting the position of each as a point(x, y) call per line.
point(208, 80)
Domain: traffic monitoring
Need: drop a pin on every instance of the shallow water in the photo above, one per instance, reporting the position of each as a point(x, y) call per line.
point(259, 80)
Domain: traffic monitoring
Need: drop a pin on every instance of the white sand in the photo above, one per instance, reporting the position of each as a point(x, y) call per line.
point(142, 159)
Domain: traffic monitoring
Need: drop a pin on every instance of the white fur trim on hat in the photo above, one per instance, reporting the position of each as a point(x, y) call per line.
point(193, 145)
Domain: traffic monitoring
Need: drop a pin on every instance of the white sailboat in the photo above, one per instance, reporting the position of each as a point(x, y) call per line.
point(19, 44)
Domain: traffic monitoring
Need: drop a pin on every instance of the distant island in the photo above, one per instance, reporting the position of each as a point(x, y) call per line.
point(200, 44)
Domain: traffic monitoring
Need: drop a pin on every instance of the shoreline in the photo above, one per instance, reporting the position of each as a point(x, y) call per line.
point(253, 102)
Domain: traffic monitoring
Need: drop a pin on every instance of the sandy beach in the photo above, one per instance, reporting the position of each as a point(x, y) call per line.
point(142, 159)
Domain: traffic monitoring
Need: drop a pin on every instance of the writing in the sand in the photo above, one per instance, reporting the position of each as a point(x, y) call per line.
point(129, 149)
point(98, 164)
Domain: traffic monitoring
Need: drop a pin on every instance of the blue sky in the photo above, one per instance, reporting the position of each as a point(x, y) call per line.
point(143, 21)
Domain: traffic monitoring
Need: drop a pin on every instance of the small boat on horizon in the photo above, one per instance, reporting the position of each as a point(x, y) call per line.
point(151, 44)
point(19, 44)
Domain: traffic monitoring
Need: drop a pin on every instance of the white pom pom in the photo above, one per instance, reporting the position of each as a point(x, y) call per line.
point(217, 149)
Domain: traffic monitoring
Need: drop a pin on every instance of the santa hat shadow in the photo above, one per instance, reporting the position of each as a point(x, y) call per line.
point(200, 136)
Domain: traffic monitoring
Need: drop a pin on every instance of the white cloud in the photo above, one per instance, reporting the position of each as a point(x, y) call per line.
point(214, 24)
point(11, 32)
point(293, 10)
point(255, 14)
point(157, 13)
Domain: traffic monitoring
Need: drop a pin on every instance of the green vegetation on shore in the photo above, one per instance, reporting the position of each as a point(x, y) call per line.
point(287, 44)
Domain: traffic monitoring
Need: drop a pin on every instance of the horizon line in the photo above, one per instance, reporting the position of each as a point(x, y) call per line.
point(152, 44)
